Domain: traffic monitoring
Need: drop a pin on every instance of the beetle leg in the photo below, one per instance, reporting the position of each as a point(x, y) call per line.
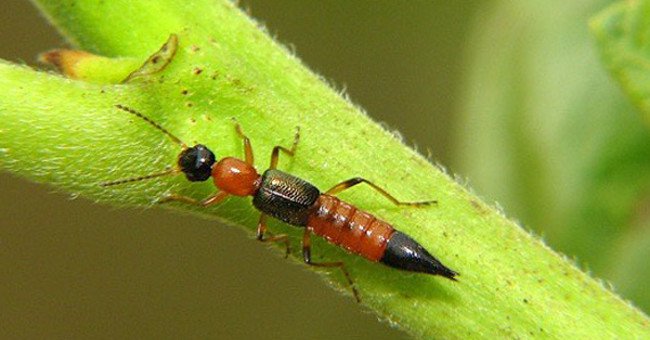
point(306, 255)
point(261, 231)
point(357, 180)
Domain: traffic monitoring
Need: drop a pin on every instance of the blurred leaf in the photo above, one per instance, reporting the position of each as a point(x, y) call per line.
point(547, 134)
point(622, 31)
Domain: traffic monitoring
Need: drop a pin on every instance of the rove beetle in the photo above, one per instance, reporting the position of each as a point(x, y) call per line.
point(298, 203)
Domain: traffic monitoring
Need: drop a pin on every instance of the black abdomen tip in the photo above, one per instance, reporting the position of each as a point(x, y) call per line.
point(402, 252)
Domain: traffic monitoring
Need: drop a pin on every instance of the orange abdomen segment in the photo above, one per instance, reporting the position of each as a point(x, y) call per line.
point(344, 225)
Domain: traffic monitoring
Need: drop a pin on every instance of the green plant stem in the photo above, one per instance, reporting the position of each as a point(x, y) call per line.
point(68, 133)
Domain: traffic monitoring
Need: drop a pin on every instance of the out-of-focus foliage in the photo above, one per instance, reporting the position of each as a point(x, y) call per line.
point(548, 134)
point(621, 32)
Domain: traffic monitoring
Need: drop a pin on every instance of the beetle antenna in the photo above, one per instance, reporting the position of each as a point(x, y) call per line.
point(154, 124)
point(141, 178)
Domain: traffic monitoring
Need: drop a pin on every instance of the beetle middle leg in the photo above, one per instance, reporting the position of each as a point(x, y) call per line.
point(275, 155)
point(357, 180)
point(306, 255)
point(261, 231)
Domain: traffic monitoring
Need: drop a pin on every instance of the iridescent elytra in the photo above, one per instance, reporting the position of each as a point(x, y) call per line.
point(298, 203)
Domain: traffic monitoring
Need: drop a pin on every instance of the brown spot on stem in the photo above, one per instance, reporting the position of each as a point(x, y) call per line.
point(478, 207)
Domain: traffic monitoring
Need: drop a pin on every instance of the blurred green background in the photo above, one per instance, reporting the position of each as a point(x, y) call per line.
point(508, 95)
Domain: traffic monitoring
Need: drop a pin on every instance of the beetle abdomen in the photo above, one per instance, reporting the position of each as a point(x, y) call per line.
point(344, 225)
point(361, 233)
point(285, 197)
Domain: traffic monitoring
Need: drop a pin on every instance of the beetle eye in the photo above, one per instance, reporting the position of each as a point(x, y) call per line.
point(196, 163)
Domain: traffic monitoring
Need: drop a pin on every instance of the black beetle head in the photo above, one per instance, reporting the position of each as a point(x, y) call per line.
point(196, 163)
